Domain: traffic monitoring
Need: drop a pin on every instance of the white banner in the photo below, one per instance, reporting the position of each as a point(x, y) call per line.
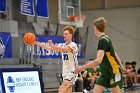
point(22, 82)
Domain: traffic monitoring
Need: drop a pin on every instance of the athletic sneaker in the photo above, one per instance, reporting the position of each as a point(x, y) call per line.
point(85, 91)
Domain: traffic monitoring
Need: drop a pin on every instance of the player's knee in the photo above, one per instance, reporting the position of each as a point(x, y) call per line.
point(61, 91)
point(97, 91)
point(63, 88)
point(115, 89)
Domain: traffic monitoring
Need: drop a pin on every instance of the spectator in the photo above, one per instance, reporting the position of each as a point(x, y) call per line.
point(138, 72)
point(134, 73)
point(90, 75)
point(79, 84)
point(86, 81)
point(133, 63)
point(97, 72)
point(127, 75)
point(130, 77)
point(138, 75)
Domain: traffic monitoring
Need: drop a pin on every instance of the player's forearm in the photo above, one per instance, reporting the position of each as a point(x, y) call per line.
point(121, 65)
point(43, 46)
point(92, 64)
point(59, 48)
point(119, 60)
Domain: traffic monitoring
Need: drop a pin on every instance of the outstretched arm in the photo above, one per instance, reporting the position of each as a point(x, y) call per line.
point(57, 48)
point(43, 45)
point(97, 61)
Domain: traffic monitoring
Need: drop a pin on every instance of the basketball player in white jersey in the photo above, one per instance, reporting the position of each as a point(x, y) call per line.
point(69, 57)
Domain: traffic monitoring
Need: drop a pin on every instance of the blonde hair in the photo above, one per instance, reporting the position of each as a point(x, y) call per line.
point(100, 23)
point(70, 29)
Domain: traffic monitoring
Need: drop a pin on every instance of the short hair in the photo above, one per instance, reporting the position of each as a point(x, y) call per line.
point(100, 23)
point(127, 63)
point(70, 29)
point(133, 63)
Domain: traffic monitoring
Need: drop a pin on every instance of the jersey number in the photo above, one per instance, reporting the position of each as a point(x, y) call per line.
point(65, 57)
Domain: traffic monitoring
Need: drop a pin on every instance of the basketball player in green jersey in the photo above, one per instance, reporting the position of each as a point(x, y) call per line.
point(107, 59)
point(69, 52)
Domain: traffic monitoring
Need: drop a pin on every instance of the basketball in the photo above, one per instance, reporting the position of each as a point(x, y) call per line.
point(29, 38)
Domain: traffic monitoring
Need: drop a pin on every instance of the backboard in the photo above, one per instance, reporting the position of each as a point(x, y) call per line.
point(68, 8)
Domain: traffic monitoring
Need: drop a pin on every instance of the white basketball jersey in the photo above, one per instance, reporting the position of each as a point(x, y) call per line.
point(70, 58)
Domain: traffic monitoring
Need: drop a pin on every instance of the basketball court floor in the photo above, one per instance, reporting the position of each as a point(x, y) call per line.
point(126, 90)
point(131, 91)
point(138, 91)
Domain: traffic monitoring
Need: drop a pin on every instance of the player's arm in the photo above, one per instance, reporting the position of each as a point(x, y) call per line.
point(97, 61)
point(119, 60)
point(57, 48)
point(43, 45)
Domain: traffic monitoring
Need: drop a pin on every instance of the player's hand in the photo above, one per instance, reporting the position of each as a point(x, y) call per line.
point(127, 70)
point(50, 43)
point(36, 43)
point(78, 69)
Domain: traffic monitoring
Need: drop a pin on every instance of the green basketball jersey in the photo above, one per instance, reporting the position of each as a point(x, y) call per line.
point(109, 62)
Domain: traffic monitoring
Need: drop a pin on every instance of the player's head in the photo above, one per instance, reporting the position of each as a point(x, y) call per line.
point(99, 25)
point(127, 65)
point(68, 32)
point(133, 63)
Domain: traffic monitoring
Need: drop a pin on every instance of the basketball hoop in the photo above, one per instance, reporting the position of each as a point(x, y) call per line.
point(72, 18)
point(78, 20)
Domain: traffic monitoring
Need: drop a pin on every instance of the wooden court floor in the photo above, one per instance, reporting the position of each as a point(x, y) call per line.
point(136, 91)
point(91, 92)
point(132, 90)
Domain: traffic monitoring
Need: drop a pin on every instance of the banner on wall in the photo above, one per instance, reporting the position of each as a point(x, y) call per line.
point(5, 45)
point(57, 40)
point(42, 8)
point(27, 7)
point(22, 82)
point(2, 5)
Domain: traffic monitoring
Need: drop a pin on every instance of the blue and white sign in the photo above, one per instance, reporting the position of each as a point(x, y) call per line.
point(27, 7)
point(42, 8)
point(1, 85)
point(5, 45)
point(22, 82)
point(2, 5)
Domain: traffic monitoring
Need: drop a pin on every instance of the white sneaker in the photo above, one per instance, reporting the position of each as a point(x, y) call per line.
point(85, 91)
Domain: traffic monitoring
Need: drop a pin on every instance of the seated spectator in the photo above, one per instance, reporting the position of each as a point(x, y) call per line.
point(133, 63)
point(96, 74)
point(138, 72)
point(79, 84)
point(138, 75)
point(127, 75)
point(86, 82)
point(89, 77)
point(134, 73)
